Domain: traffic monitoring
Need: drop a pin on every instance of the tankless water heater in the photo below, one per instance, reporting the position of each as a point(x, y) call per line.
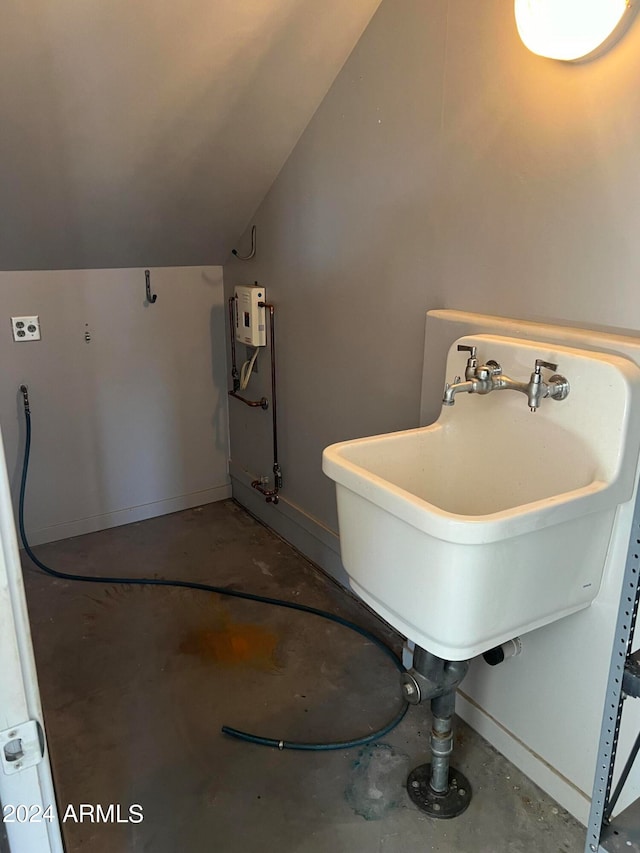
point(250, 315)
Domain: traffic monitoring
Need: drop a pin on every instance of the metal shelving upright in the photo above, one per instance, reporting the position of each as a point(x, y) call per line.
point(604, 836)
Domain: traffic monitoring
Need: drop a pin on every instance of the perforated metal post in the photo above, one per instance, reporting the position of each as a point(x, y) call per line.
point(612, 714)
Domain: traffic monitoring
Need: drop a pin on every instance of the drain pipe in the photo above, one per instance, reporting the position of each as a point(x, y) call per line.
point(499, 654)
point(437, 788)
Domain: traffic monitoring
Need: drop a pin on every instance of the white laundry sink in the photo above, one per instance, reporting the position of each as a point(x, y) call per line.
point(493, 520)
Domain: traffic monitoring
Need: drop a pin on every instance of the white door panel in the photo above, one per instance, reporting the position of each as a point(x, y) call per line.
point(26, 792)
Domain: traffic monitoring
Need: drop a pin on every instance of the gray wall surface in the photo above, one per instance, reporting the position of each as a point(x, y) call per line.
point(147, 133)
point(130, 424)
point(447, 167)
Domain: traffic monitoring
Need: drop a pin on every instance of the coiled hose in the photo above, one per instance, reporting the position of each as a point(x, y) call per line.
point(276, 602)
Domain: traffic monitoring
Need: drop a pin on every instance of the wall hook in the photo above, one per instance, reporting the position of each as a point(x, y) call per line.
point(147, 278)
point(253, 247)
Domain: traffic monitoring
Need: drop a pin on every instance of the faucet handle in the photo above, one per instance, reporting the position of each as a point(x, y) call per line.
point(465, 348)
point(540, 364)
point(557, 386)
point(472, 361)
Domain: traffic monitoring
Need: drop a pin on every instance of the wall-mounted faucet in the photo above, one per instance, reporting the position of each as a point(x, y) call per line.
point(484, 378)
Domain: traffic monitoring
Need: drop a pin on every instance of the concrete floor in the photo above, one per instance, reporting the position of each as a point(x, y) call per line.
point(136, 683)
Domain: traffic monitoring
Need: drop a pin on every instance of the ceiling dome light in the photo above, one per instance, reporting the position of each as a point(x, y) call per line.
point(567, 29)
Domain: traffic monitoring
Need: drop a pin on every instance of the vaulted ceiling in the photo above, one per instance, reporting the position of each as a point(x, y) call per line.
point(147, 132)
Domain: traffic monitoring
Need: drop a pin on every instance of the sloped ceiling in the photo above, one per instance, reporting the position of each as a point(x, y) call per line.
point(146, 132)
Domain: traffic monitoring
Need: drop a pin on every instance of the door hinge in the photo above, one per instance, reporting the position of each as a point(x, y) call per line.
point(21, 746)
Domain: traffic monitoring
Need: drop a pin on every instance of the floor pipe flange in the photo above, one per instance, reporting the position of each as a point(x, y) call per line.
point(443, 806)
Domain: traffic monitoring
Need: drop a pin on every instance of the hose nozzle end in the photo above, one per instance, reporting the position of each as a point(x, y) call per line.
point(25, 398)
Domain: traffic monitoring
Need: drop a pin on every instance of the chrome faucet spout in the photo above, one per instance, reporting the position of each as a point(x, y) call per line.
point(483, 385)
point(450, 391)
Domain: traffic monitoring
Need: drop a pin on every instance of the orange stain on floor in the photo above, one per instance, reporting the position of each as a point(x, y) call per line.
point(233, 644)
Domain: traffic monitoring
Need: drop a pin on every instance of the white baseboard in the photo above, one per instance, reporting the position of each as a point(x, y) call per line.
point(126, 516)
point(307, 534)
point(536, 768)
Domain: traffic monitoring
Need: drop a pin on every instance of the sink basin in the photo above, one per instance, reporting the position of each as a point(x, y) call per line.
point(493, 520)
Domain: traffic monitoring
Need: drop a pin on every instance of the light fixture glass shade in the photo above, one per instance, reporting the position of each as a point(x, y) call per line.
point(567, 29)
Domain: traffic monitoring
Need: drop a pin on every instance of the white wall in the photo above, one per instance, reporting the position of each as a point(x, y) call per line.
point(132, 423)
point(447, 167)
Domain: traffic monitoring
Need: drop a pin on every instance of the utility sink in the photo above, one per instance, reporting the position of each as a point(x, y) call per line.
point(493, 520)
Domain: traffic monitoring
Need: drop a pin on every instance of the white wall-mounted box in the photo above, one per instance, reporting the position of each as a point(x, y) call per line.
point(250, 316)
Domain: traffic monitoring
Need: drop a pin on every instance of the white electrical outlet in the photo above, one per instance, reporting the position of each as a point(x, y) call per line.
point(26, 328)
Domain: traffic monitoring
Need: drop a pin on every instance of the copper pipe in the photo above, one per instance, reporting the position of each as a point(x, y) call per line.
point(272, 494)
point(262, 402)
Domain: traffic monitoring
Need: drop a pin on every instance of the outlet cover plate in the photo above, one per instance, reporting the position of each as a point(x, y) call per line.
point(25, 328)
